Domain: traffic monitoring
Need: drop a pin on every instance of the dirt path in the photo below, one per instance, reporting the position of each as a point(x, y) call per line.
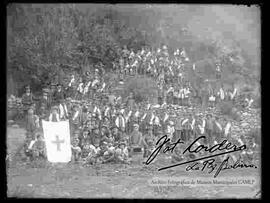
point(106, 181)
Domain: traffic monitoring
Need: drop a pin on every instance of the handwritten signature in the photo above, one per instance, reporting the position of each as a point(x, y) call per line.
point(212, 165)
point(225, 147)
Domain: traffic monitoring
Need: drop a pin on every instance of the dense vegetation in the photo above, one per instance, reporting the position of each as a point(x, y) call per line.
point(48, 40)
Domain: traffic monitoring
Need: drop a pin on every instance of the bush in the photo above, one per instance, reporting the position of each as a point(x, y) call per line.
point(257, 103)
point(256, 133)
point(226, 107)
point(143, 88)
point(235, 115)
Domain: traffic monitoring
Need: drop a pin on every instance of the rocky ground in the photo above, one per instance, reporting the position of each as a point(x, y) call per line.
point(250, 119)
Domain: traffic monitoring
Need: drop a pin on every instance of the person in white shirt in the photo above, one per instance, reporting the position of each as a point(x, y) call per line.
point(186, 92)
point(217, 130)
point(80, 90)
point(181, 95)
point(63, 111)
point(249, 101)
point(227, 129)
point(170, 129)
point(221, 93)
point(120, 121)
point(212, 100)
point(232, 94)
point(201, 125)
point(72, 80)
point(54, 115)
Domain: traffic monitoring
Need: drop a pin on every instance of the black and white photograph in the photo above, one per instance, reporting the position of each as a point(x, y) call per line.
point(133, 101)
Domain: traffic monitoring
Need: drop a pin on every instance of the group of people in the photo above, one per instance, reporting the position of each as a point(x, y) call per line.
point(170, 71)
point(106, 127)
point(112, 132)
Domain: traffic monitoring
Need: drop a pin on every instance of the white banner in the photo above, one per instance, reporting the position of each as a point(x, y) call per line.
point(57, 140)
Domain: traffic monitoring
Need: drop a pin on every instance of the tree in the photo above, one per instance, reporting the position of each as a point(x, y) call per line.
point(46, 39)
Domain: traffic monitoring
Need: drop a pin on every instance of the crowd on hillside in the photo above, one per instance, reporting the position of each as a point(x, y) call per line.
point(170, 70)
point(108, 128)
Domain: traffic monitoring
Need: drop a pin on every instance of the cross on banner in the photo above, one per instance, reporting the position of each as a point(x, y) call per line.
point(57, 133)
point(58, 142)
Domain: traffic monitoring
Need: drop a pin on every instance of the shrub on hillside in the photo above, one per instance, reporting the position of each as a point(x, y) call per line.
point(257, 103)
point(226, 107)
point(143, 88)
point(256, 133)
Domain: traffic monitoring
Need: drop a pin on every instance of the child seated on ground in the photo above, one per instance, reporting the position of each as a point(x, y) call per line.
point(121, 154)
point(91, 157)
point(38, 148)
point(86, 148)
point(108, 138)
point(104, 155)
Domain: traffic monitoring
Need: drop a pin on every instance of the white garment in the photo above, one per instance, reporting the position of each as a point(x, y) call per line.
point(117, 122)
point(249, 101)
point(170, 130)
point(106, 111)
point(192, 124)
point(166, 117)
point(221, 93)
point(183, 54)
point(137, 114)
point(212, 98)
point(240, 141)
point(97, 110)
point(227, 128)
point(184, 121)
point(152, 119)
point(80, 88)
point(202, 127)
point(122, 111)
point(232, 95)
point(186, 92)
point(86, 88)
point(170, 89)
point(128, 116)
point(31, 144)
point(71, 81)
point(103, 87)
point(156, 120)
point(218, 125)
point(143, 116)
point(134, 64)
point(95, 82)
point(149, 67)
point(57, 117)
point(181, 93)
point(75, 115)
point(63, 110)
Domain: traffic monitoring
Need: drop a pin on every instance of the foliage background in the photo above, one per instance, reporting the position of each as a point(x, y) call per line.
point(45, 41)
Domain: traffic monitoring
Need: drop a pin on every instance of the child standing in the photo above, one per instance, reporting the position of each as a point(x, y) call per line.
point(32, 122)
